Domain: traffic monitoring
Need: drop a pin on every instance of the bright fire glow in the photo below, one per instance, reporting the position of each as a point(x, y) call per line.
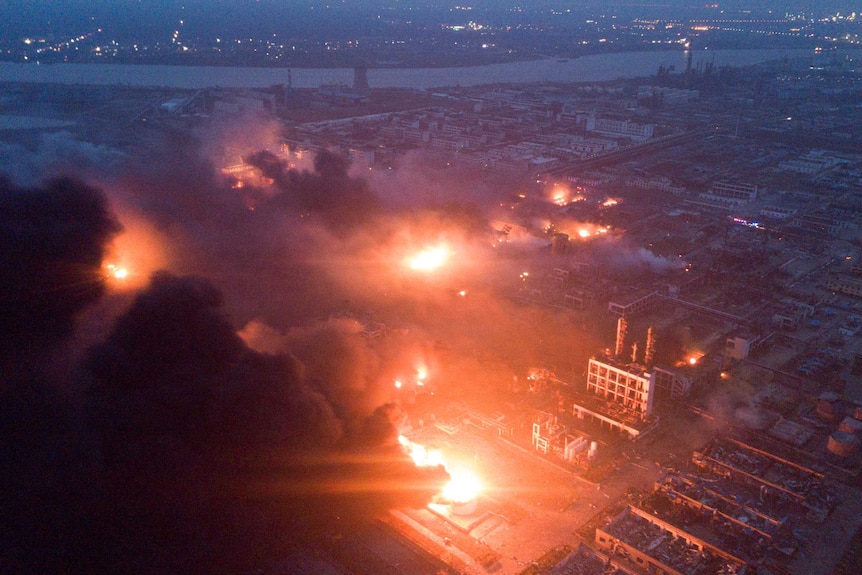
point(610, 202)
point(692, 360)
point(585, 230)
point(133, 254)
point(563, 196)
point(421, 456)
point(463, 486)
point(116, 272)
point(429, 259)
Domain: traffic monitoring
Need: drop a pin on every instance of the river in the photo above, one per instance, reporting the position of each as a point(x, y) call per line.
point(596, 68)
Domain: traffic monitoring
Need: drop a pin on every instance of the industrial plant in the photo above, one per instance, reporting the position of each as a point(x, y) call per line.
point(553, 328)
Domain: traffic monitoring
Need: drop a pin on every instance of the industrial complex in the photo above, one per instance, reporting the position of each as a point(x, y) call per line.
point(696, 410)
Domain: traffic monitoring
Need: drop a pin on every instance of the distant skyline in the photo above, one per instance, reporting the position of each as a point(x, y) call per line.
point(407, 33)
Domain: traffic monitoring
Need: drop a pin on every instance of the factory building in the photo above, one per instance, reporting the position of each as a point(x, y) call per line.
point(632, 304)
point(672, 383)
point(657, 546)
point(627, 128)
point(628, 385)
point(618, 397)
point(845, 284)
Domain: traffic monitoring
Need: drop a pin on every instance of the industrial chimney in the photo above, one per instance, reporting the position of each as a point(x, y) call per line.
point(621, 337)
point(360, 79)
point(649, 351)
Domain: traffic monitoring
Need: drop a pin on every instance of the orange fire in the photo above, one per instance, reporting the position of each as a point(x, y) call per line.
point(116, 272)
point(429, 259)
point(134, 254)
point(563, 196)
point(590, 230)
point(463, 485)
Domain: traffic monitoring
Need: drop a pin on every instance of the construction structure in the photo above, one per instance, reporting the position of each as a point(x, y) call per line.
point(551, 437)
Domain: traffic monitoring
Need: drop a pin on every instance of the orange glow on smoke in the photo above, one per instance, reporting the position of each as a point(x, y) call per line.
point(463, 485)
point(429, 259)
point(133, 255)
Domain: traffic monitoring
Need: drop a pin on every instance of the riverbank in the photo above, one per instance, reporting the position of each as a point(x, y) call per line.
point(598, 68)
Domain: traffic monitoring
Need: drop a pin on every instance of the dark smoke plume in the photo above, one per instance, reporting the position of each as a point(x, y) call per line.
point(329, 191)
point(215, 453)
point(52, 240)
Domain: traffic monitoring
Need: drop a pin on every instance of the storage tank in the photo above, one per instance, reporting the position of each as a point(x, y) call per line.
point(842, 444)
point(594, 449)
point(826, 406)
point(464, 507)
point(851, 425)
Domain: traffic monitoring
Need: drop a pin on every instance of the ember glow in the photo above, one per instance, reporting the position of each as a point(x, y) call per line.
point(429, 259)
point(590, 230)
point(560, 197)
point(463, 486)
point(563, 196)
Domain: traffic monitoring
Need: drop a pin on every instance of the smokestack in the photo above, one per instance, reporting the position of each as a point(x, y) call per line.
point(360, 79)
point(649, 351)
point(635, 352)
point(621, 337)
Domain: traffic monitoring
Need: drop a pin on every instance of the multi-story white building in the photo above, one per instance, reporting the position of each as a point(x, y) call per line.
point(628, 385)
point(637, 132)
